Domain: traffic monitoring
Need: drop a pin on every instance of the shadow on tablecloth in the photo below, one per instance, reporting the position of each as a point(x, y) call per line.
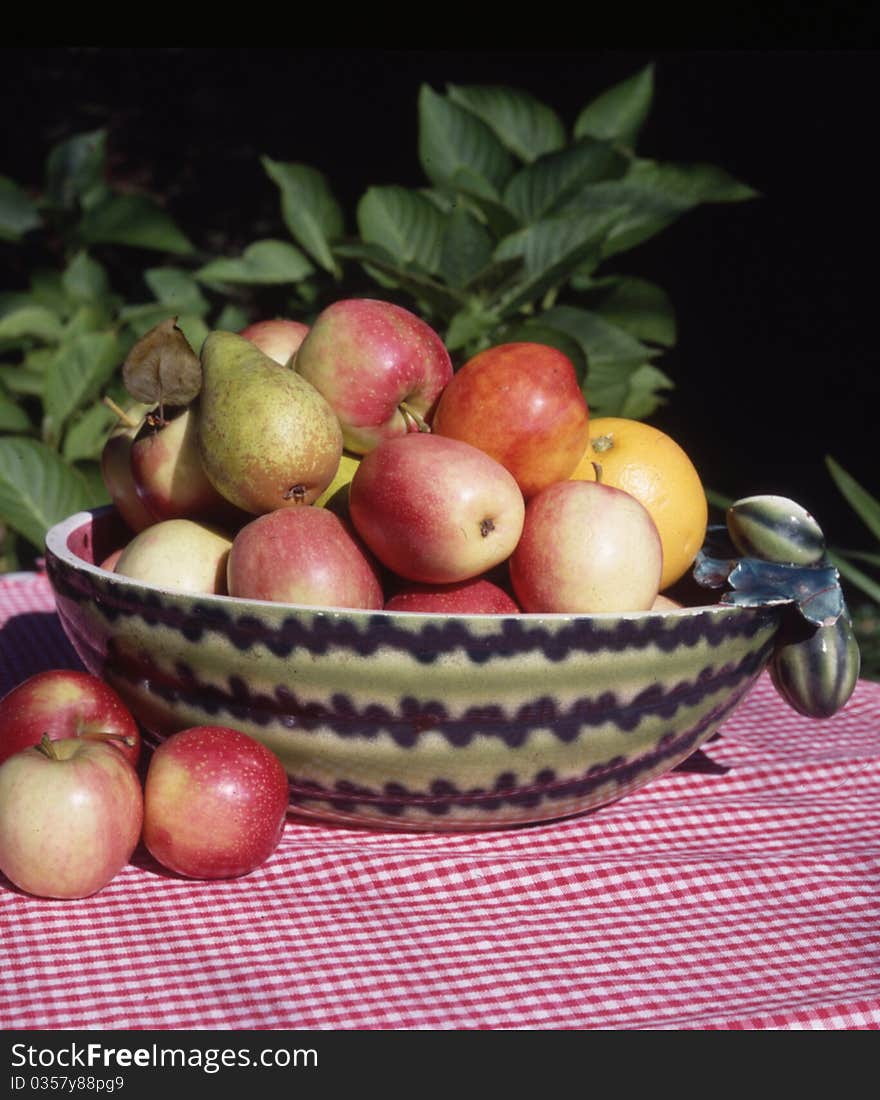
point(32, 642)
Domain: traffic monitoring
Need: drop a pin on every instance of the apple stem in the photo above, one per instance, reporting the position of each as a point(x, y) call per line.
point(46, 747)
point(121, 414)
point(105, 735)
point(414, 420)
point(598, 469)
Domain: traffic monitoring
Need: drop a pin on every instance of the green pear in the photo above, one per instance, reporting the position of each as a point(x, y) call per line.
point(267, 438)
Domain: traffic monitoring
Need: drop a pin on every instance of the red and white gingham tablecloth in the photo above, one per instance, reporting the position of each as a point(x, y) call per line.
point(740, 896)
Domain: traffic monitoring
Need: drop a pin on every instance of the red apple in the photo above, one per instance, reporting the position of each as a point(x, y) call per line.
point(66, 703)
point(379, 366)
point(70, 817)
point(168, 472)
point(304, 556)
point(215, 802)
point(521, 404)
point(119, 480)
point(586, 548)
point(279, 339)
point(434, 509)
point(478, 596)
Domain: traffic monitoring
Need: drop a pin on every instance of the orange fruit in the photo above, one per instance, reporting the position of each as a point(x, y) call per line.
point(652, 467)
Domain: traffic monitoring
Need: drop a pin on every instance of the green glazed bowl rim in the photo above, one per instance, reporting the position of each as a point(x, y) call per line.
point(57, 544)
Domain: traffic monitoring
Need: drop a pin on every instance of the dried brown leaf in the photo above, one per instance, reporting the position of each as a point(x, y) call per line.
point(161, 368)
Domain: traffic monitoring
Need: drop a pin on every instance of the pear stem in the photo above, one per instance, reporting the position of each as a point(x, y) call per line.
point(598, 469)
point(121, 414)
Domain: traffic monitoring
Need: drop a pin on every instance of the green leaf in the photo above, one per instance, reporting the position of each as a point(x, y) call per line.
point(12, 417)
point(406, 224)
point(194, 329)
point(688, 184)
point(176, 289)
point(134, 220)
point(470, 328)
point(140, 319)
point(481, 199)
point(618, 113)
point(47, 289)
point(96, 491)
point(527, 127)
point(232, 319)
point(90, 317)
point(466, 248)
point(453, 141)
point(27, 378)
point(717, 499)
point(644, 389)
point(85, 280)
point(855, 576)
point(862, 556)
point(652, 196)
point(865, 506)
point(30, 321)
point(492, 280)
point(77, 373)
point(310, 211)
point(37, 488)
point(265, 263)
point(438, 298)
point(86, 436)
point(75, 169)
point(635, 305)
point(18, 214)
point(551, 250)
point(619, 379)
point(543, 187)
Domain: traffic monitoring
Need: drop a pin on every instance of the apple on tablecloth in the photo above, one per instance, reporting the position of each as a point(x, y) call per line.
point(64, 703)
point(215, 803)
point(70, 817)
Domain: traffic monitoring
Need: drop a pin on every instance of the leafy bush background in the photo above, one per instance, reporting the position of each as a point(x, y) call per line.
point(509, 238)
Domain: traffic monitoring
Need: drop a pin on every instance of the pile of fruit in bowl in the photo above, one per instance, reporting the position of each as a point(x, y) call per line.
point(444, 600)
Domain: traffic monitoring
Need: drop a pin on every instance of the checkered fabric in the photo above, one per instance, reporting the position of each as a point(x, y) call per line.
point(737, 892)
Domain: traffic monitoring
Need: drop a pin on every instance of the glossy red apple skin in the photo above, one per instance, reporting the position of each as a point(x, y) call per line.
point(215, 803)
point(521, 404)
point(119, 480)
point(168, 473)
point(477, 596)
point(586, 548)
point(435, 510)
point(68, 825)
point(66, 703)
point(280, 338)
point(303, 555)
point(372, 361)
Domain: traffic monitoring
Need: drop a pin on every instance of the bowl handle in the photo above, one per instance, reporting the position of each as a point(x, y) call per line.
point(816, 661)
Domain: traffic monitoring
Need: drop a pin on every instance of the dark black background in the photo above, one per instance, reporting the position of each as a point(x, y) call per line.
point(776, 363)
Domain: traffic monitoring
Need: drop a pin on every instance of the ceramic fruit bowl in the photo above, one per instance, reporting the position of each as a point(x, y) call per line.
point(415, 721)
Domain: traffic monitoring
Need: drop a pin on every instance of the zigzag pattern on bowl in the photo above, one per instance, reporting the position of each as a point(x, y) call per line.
point(423, 721)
